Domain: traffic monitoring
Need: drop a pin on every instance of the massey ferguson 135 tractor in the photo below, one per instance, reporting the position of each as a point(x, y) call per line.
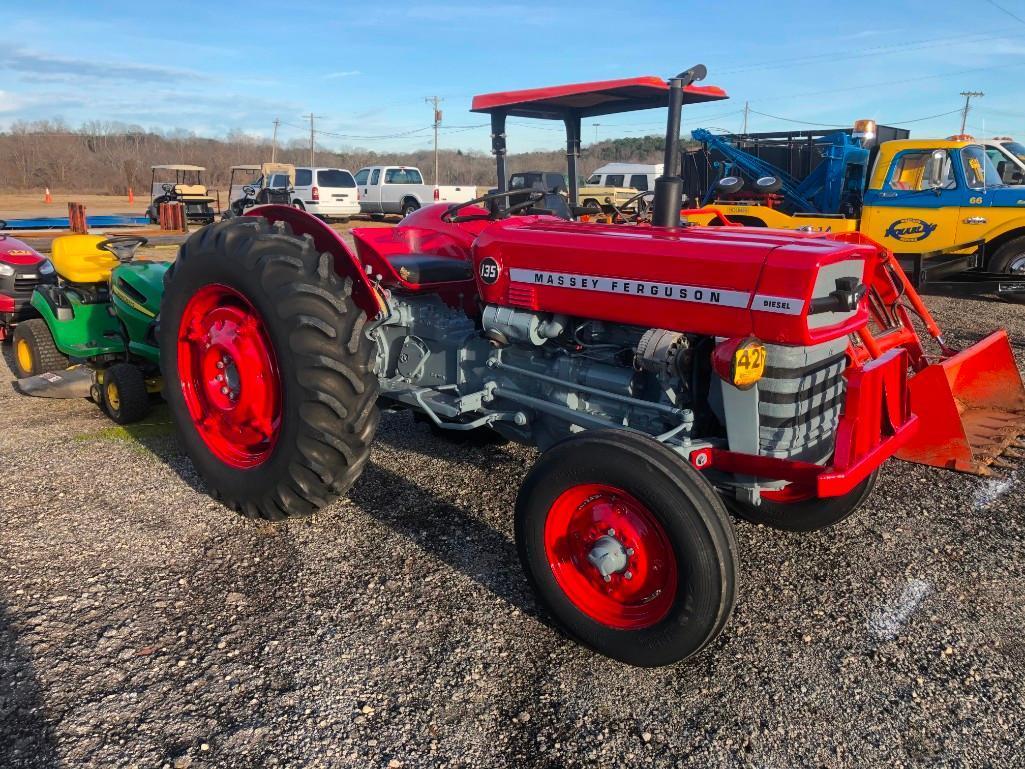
point(667, 373)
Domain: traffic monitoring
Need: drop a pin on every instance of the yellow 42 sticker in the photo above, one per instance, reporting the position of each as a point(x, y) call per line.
point(748, 365)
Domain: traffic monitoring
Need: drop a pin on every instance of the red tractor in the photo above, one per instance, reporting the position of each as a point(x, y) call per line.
point(669, 374)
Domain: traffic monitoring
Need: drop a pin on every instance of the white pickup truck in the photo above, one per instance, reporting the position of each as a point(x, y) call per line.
point(401, 190)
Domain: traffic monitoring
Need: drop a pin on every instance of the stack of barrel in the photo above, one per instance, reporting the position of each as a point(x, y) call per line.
point(172, 217)
point(76, 218)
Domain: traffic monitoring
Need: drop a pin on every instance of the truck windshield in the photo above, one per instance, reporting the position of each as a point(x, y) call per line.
point(335, 178)
point(978, 168)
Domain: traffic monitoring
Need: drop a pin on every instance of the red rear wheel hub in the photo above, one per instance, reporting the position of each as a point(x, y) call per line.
point(611, 556)
point(229, 376)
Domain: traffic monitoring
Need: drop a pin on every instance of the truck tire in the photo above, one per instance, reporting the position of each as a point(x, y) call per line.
point(409, 206)
point(806, 514)
point(252, 309)
point(34, 349)
point(627, 503)
point(1010, 259)
point(124, 394)
point(298, 204)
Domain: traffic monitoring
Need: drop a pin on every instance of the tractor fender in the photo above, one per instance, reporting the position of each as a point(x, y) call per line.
point(326, 239)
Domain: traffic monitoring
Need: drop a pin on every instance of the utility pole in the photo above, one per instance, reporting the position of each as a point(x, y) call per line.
point(746, 110)
point(596, 131)
point(313, 141)
point(435, 100)
point(274, 141)
point(967, 101)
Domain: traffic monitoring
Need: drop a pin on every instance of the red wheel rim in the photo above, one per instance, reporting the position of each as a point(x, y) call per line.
point(583, 519)
point(229, 376)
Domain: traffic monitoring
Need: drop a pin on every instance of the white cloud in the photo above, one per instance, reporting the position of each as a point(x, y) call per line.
point(343, 73)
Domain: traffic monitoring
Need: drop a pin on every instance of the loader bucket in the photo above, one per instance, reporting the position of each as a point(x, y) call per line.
point(970, 408)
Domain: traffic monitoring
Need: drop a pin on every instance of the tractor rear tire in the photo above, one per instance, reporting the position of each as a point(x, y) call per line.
point(124, 393)
point(1010, 259)
point(669, 534)
point(318, 390)
point(808, 514)
point(34, 349)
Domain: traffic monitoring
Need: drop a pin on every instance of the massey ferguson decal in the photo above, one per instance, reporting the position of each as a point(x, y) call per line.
point(910, 230)
point(723, 297)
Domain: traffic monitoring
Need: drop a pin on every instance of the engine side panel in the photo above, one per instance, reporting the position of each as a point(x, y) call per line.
point(716, 281)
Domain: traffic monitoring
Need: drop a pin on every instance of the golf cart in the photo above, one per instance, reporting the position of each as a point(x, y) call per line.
point(180, 184)
point(256, 185)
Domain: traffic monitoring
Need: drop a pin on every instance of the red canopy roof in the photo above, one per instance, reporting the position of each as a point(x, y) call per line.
point(604, 97)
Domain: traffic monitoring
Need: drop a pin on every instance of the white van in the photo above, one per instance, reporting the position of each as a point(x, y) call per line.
point(638, 176)
point(325, 191)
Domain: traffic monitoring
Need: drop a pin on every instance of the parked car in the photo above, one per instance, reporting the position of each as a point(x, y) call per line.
point(638, 176)
point(326, 192)
point(401, 190)
point(616, 186)
point(1008, 158)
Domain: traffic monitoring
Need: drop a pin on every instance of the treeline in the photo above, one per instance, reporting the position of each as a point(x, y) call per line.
point(104, 157)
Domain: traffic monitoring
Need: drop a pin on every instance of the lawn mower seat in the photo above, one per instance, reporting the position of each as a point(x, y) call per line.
point(77, 259)
point(427, 268)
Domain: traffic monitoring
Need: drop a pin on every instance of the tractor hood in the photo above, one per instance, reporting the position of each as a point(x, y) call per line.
point(721, 281)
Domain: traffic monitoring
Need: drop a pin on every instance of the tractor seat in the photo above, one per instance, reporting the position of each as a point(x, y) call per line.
point(77, 259)
point(427, 268)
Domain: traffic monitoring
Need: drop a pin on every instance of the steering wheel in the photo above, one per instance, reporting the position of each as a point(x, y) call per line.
point(249, 191)
point(450, 213)
point(122, 247)
point(166, 187)
point(637, 214)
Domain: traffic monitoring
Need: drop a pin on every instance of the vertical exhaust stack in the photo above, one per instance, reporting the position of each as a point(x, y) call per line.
point(669, 186)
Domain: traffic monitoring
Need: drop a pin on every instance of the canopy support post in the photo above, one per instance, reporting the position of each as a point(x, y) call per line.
point(498, 148)
point(572, 153)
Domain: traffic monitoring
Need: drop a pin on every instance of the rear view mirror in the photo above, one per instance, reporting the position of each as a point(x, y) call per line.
point(936, 169)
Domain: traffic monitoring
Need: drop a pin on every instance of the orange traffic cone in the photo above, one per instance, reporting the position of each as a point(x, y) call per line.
point(47, 197)
point(131, 195)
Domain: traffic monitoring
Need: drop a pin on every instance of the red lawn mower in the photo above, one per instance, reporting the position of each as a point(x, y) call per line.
point(22, 268)
point(669, 374)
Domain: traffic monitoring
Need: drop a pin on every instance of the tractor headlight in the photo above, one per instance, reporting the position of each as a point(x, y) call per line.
point(741, 362)
point(46, 267)
point(6, 270)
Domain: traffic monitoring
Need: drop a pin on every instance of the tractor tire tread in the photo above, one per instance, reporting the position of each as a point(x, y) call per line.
point(324, 360)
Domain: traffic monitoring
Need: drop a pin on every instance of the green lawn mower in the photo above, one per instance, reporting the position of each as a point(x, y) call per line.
point(99, 319)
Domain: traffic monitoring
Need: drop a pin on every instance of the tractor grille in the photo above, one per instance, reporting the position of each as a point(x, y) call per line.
point(801, 396)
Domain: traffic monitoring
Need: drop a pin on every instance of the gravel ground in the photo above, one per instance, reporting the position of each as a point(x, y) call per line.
point(143, 625)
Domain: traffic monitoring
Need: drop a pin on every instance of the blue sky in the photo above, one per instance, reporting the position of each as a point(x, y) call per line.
point(365, 68)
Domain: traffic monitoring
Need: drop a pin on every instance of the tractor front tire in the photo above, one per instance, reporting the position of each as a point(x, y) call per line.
point(124, 394)
point(807, 514)
point(1010, 259)
point(628, 547)
point(34, 349)
point(289, 427)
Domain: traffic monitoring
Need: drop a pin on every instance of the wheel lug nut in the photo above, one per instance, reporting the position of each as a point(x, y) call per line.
point(224, 391)
point(219, 364)
point(629, 551)
point(612, 532)
point(628, 575)
point(219, 377)
point(608, 577)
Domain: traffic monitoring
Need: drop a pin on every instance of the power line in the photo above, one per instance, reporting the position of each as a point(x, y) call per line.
point(877, 50)
point(1000, 7)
